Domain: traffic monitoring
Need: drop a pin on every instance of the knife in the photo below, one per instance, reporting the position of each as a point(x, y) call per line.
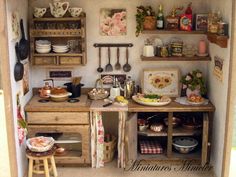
point(108, 104)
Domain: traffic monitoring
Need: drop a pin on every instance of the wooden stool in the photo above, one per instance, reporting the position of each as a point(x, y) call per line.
point(41, 156)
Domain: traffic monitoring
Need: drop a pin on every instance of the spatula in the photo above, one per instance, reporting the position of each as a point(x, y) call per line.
point(109, 67)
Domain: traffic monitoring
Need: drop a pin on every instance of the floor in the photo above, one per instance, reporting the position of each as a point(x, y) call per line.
point(110, 170)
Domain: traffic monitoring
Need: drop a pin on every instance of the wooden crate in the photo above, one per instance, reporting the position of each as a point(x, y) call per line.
point(109, 150)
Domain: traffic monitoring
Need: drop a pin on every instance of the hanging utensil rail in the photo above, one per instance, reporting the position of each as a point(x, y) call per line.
point(113, 45)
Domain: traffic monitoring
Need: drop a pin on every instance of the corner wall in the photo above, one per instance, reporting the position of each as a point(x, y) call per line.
point(22, 8)
point(218, 90)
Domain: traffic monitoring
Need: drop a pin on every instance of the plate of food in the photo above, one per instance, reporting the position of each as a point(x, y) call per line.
point(40, 143)
point(151, 99)
point(194, 99)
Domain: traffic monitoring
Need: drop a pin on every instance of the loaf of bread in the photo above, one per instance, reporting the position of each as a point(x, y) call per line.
point(58, 91)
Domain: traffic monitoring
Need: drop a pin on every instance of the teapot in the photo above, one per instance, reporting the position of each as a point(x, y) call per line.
point(129, 88)
point(58, 9)
point(45, 91)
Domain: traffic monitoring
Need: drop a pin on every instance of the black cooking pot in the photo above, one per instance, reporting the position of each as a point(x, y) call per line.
point(74, 89)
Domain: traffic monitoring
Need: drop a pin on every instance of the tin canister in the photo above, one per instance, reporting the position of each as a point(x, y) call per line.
point(158, 51)
point(223, 29)
point(164, 51)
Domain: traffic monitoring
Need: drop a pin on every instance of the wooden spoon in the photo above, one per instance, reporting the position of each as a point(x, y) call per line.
point(117, 65)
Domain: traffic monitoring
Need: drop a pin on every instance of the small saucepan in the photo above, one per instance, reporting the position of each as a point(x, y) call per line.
point(19, 67)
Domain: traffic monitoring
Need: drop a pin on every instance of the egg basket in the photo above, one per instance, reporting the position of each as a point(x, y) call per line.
point(98, 93)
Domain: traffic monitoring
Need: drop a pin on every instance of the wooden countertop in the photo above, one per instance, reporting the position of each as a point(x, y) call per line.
point(82, 106)
point(172, 107)
point(85, 106)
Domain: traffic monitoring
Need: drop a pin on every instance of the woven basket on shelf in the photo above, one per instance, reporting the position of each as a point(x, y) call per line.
point(100, 94)
point(109, 150)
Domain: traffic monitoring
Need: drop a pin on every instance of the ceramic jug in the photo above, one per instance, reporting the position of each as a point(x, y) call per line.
point(58, 9)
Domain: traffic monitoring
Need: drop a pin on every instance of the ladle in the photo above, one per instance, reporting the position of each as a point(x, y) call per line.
point(127, 66)
point(99, 69)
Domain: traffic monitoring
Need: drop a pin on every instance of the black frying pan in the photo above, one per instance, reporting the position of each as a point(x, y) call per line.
point(23, 44)
point(19, 67)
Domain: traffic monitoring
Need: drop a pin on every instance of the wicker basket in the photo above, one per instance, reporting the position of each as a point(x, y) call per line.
point(109, 150)
point(100, 93)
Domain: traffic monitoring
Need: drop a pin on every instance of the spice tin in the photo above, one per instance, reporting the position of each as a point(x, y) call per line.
point(164, 51)
point(158, 51)
point(223, 29)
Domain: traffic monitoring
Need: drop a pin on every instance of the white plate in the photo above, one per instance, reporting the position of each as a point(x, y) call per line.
point(150, 103)
point(202, 55)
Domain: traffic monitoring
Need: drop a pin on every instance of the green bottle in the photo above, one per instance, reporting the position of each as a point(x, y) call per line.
point(160, 17)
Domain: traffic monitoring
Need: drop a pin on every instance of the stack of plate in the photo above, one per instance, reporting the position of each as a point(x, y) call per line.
point(60, 48)
point(43, 46)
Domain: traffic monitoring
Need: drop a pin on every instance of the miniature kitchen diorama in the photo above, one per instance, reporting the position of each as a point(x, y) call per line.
point(168, 116)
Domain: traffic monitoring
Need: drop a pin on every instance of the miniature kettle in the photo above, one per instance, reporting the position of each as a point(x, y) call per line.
point(58, 9)
point(129, 88)
point(45, 91)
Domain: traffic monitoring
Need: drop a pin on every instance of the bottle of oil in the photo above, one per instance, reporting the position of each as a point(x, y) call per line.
point(160, 17)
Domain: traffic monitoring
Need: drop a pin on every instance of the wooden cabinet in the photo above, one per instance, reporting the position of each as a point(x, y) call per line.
point(203, 135)
point(70, 129)
point(64, 31)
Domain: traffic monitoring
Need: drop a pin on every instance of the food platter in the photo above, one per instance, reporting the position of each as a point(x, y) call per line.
point(40, 144)
point(196, 103)
point(152, 102)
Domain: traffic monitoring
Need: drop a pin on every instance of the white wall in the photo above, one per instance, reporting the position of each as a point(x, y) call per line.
point(218, 90)
point(4, 167)
point(22, 7)
point(92, 7)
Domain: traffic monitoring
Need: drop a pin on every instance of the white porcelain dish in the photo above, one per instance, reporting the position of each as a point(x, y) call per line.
point(185, 144)
point(40, 144)
point(135, 98)
point(43, 42)
point(43, 50)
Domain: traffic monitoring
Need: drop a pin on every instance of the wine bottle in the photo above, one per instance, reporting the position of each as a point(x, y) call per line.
point(160, 17)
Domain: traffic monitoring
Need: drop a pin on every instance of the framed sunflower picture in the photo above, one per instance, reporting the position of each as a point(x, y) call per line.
point(161, 81)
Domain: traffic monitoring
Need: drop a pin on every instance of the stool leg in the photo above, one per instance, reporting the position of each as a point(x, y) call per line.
point(30, 172)
point(54, 168)
point(46, 170)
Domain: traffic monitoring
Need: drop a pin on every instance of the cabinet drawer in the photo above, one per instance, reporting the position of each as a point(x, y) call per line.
point(58, 117)
point(70, 60)
point(44, 60)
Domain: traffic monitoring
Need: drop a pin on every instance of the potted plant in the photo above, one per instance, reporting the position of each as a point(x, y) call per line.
point(145, 19)
point(194, 83)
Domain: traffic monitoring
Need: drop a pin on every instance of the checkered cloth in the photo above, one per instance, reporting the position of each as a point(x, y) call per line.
point(150, 147)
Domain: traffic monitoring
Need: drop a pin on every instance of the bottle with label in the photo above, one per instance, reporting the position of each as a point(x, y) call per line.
point(160, 17)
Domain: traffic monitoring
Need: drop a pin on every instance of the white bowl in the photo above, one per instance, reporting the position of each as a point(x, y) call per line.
point(43, 47)
point(43, 42)
point(43, 50)
point(48, 144)
point(185, 144)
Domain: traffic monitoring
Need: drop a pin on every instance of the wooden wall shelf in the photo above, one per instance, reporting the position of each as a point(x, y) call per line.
point(52, 19)
point(172, 32)
point(221, 41)
point(195, 58)
point(176, 132)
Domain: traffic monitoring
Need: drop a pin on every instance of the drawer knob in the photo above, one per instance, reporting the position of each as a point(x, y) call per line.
point(56, 118)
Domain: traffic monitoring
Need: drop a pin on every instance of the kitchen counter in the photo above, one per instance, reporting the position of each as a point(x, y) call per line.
point(82, 106)
point(172, 107)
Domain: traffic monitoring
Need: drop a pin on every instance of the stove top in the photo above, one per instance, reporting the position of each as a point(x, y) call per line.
point(70, 100)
